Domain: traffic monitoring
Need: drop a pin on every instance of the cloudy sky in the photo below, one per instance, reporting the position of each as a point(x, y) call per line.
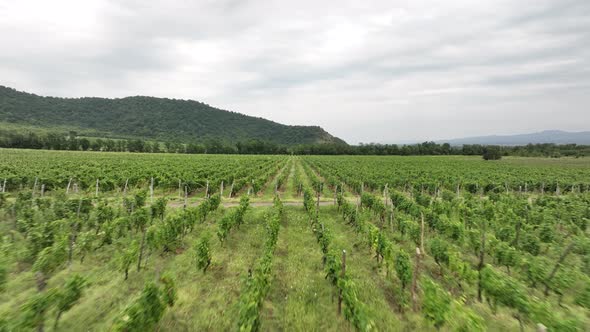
point(366, 71)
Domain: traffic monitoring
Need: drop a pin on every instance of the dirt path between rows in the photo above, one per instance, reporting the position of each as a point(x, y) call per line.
point(253, 204)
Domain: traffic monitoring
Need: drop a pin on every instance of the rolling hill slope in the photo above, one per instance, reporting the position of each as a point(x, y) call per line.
point(148, 118)
point(547, 136)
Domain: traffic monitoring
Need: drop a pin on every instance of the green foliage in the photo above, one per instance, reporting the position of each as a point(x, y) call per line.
point(203, 253)
point(147, 310)
point(159, 208)
point(33, 311)
point(84, 244)
point(506, 255)
point(156, 118)
point(527, 240)
point(354, 310)
point(492, 153)
point(504, 290)
point(169, 294)
point(233, 218)
point(140, 198)
point(257, 285)
point(531, 243)
point(67, 296)
point(464, 319)
point(51, 258)
point(104, 213)
point(127, 256)
point(439, 249)
point(436, 303)
point(403, 267)
point(3, 275)
point(214, 202)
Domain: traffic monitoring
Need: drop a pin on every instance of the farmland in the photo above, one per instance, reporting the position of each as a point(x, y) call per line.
point(95, 241)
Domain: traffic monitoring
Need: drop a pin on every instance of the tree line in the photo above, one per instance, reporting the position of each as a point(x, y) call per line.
point(71, 142)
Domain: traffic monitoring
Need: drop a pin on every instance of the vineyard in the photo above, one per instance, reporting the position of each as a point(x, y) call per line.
point(95, 241)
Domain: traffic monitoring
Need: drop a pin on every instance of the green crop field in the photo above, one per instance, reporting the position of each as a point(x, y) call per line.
point(93, 241)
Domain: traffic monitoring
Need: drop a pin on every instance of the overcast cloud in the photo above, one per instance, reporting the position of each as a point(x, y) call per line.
point(366, 71)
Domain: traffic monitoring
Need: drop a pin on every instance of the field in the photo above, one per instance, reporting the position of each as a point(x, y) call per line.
point(96, 241)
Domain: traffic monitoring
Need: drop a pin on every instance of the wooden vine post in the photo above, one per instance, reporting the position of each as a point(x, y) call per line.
point(125, 188)
point(391, 217)
point(335, 194)
point(179, 189)
point(42, 189)
point(221, 190)
point(317, 205)
point(4, 186)
point(422, 233)
point(152, 190)
point(481, 265)
point(231, 189)
point(35, 186)
point(68, 187)
point(207, 190)
point(96, 193)
point(185, 196)
point(415, 280)
point(342, 274)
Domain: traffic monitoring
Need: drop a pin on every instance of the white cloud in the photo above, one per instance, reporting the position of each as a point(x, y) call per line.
point(375, 71)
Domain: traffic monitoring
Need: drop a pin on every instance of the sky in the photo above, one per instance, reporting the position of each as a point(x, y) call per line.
point(366, 71)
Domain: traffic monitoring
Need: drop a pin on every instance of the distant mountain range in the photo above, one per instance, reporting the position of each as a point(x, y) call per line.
point(161, 119)
point(547, 136)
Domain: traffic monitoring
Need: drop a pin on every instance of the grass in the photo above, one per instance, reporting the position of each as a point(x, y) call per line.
point(300, 298)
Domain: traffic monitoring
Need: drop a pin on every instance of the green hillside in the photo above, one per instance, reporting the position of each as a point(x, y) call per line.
point(148, 118)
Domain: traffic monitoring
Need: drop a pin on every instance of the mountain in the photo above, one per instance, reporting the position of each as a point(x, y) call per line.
point(160, 119)
point(547, 136)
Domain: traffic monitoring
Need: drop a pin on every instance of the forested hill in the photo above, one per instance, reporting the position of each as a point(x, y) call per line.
point(149, 118)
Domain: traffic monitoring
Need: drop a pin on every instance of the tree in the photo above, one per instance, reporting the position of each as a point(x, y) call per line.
point(492, 152)
point(436, 304)
point(84, 144)
point(66, 297)
point(203, 254)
